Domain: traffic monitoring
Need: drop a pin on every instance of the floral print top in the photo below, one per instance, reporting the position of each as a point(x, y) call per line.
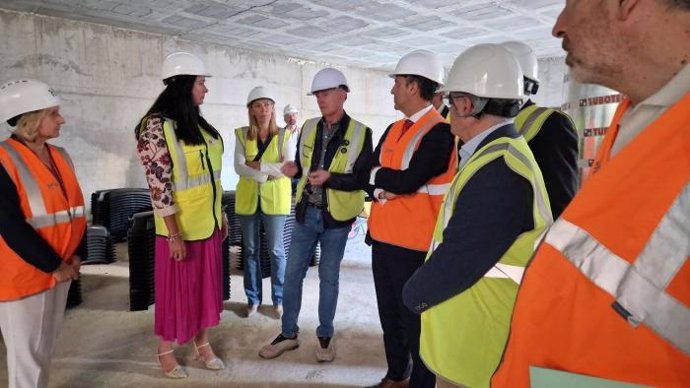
point(153, 152)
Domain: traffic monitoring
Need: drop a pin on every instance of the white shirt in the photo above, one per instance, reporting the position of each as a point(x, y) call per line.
point(267, 169)
point(470, 147)
point(372, 177)
point(638, 118)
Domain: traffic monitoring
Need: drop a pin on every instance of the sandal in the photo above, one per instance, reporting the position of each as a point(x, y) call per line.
point(175, 373)
point(214, 363)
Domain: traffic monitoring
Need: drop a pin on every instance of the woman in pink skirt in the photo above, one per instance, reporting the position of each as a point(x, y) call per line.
point(182, 155)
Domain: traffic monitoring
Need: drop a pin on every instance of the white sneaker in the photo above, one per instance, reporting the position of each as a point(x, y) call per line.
point(279, 346)
point(251, 310)
point(325, 350)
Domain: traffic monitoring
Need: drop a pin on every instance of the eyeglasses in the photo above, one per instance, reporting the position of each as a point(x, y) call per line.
point(451, 97)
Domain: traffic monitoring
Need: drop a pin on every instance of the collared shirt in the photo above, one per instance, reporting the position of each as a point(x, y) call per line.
point(414, 118)
point(315, 193)
point(470, 147)
point(643, 114)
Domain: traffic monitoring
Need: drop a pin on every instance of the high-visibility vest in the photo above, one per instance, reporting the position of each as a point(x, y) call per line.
point(57, 216)
point(408, 221)
point(275, 193)
point(462, 338)
point(342, 205)
point(197, 190)
point(530, 120)
point(608, 292)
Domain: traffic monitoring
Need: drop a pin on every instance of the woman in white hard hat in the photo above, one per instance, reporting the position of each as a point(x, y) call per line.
point(182, 155)
point(42, 225)
point(263, 195)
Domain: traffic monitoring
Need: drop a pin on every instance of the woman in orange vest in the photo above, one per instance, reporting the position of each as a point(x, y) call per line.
point(182, 155)
point(42, 227)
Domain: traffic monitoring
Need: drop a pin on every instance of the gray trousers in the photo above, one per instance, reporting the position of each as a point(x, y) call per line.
point(30, 327)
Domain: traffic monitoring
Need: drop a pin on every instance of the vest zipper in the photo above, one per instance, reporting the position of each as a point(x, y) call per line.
point(201, 157)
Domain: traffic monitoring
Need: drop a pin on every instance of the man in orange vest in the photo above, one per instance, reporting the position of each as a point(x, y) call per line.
point(607, 294)
point(414, 164)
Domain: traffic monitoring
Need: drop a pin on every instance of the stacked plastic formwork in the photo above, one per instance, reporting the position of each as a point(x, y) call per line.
point(141, 245)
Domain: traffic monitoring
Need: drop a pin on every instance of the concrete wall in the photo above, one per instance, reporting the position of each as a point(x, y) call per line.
point(551, 85)
point(108, 78)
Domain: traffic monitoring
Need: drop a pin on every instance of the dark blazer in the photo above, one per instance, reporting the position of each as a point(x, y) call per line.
point(493, 208)
point(556, 150)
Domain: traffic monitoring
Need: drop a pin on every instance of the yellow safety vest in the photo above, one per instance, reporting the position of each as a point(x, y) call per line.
point(342, 205)
point(197, 190)
point(275, 193)
point(530, 120)
point(462, 338)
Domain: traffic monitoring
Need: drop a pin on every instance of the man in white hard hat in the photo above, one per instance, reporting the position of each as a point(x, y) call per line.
point(550, 134)
point(489, 223)
point(413, 166)
point(290, 114)
point(333, 161)
point(607, 293)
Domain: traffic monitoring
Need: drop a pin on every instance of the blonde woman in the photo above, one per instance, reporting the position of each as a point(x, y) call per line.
point(263, 194)
point(42, 227)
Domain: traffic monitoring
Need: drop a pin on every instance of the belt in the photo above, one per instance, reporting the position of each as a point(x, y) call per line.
point(314, 205)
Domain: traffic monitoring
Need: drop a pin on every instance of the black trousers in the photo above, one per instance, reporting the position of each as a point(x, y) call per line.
point(392, 266)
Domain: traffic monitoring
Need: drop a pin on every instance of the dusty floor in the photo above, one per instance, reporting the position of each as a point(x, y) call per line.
point(105, 345)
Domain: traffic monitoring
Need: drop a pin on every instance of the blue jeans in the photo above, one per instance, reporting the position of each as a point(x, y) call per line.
point(273, 225)
point(304, 239)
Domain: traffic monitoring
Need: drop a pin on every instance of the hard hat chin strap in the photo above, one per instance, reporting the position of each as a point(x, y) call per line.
point(501, 107)
point(531, 86)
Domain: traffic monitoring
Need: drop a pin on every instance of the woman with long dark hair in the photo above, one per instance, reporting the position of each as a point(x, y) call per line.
point(182, 155)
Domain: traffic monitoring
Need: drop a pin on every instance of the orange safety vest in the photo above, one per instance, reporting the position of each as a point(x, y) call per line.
point(608, 292)
point(57, 216)
point(408, 221)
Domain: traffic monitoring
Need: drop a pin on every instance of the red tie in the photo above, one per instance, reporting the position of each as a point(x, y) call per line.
point(406, 125)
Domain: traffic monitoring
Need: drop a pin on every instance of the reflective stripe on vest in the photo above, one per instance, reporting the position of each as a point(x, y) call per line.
point(532, 113)
point(412, 145)
point(311, 126)
point(195, 168)
point(40, 218)
point(274, 195)
point(638, 288)
point(499, 270)
point(342, 205)
point(468, 357)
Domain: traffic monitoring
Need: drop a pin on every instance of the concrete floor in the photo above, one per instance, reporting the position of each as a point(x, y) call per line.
point(105, 345)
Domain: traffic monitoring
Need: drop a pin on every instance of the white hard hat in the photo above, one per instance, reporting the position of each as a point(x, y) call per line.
point(183, 63)
point(328, 78)
point(260, 92)
point(289, 109)
point(525, 57)
point(25, 95)
point(486, 70)
point(423, 63)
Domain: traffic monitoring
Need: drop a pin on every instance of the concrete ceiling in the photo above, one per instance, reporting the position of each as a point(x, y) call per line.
point(362, 33)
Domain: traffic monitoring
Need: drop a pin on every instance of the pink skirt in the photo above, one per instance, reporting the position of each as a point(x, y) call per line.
point(189, 293)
